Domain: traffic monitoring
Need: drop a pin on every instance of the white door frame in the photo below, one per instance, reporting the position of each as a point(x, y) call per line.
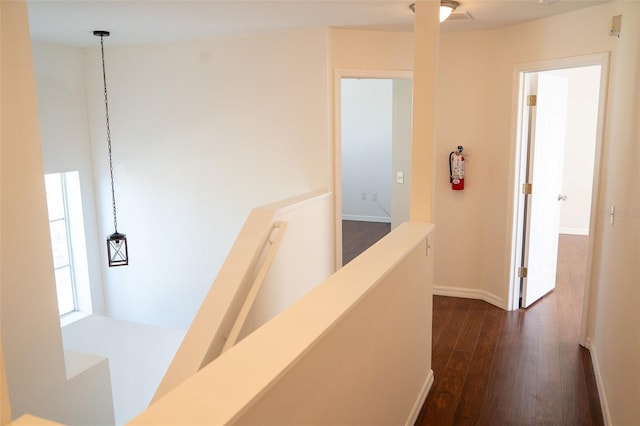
point(601, 59)
point(339, 74)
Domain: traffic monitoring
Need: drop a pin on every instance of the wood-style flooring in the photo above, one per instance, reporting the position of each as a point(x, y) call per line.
point(494, 367)
point(359, 236)
point(524, 367)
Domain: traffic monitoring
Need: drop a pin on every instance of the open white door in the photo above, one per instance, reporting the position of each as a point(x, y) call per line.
point(546, 153)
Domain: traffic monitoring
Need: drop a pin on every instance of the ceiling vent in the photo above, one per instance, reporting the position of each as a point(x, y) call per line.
point(460, 16)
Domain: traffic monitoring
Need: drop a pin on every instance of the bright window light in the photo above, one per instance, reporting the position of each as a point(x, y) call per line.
point(67, 240)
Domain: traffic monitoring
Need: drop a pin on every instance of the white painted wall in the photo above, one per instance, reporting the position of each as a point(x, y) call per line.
point(371, 347)
point(352, 50)
point(367, 123)
point(615, 308)
point(138, 357)
point(479, 67)
point(291, 276)
point(371, 50)
point(309, 226)
point(325, 359)
point(5, 403)
point(425, 123)
point(467, 227)
point(475, 109)
point(377, 52)
point(476, 68)
point(401, 150)
point(202, 132)
point(64, 132)
point(31, 338)
point(580, 144)
point(376, 143)
point(279, 151)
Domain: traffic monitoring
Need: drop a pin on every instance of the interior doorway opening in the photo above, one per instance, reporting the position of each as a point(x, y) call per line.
point(373, 157)
point(557, 169)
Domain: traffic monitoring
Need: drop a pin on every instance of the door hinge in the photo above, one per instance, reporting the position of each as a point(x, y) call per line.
point(527, 188)
point(522, 272)
point(532, 100)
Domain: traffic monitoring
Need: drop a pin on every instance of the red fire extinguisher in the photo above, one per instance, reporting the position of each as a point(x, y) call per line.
point(456, 169)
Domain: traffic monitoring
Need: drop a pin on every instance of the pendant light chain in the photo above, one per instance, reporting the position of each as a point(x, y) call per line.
point(117, 247)
point(106, 109)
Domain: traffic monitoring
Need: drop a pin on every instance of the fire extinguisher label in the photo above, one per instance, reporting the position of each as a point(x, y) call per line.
point(456, 165)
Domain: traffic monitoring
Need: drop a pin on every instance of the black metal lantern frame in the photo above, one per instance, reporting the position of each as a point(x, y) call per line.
point(117, 250)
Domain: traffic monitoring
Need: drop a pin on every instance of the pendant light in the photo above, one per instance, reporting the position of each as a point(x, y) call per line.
point(117, 250)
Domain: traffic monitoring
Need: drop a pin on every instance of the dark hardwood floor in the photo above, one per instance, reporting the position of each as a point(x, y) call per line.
point(525, 367)
point(359, 236)
point(494, 367)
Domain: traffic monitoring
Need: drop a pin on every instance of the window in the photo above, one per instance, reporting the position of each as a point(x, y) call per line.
point(67, 240)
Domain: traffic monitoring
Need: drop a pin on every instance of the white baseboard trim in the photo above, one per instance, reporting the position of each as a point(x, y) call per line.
point(360, 218)
point(469, 293)
point(596, 371)
point(422, 397)
point(574, 231)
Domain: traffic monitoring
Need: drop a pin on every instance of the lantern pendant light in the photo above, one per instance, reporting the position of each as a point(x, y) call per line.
point(117, 250)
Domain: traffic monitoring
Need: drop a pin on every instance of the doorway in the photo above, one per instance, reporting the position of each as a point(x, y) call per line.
point(557, 168)
point(372, 157)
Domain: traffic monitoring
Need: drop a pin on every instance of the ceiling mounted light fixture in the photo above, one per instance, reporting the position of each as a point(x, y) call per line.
point(446, 8)
point(116, 243)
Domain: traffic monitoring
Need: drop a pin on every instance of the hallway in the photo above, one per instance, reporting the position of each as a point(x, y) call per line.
point(525, 367)
point(494, 367)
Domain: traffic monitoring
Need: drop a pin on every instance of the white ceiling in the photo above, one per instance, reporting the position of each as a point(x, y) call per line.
point(71, 22)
